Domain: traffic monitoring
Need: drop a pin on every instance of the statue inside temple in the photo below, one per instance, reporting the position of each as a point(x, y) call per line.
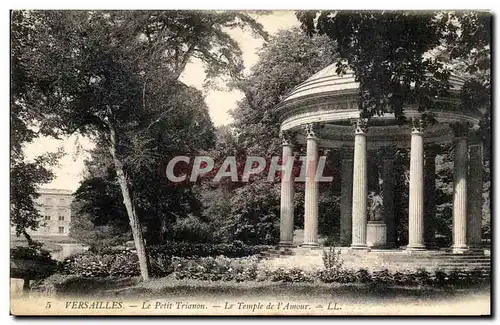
point(375, 205)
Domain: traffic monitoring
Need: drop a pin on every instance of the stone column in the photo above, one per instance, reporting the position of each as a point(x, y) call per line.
point(287, 194)
point(388, 192)
point(416, 208)
point(359, 187)
point(311, 189)
point(475, 199)
point(460, 189)
point(346, 198)
point(430, 196)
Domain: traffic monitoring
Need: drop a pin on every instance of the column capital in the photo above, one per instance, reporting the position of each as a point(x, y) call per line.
point(311, 130)
point(287, 138)
point(460, 130)
point(417, 125)
point(360, 125)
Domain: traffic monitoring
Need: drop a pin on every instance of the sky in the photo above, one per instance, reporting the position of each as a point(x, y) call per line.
point(69, 172)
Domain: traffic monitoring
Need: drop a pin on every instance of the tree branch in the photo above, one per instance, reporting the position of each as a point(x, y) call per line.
point(180, 66)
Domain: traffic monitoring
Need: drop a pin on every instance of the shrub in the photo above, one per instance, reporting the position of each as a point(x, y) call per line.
point(32, 254)
point(331, 259)
point(32, 263)
point(363, 276)
point(454, 277)
point(440, 278)
point(192, 229)
point(215, 268)
point(187, 249)
point(336, 275)
point(397, 278)
point(124, 264)
point(408, 278)
point(292, 275)
point(423, 277)
point(475, 276)
point(160, 265)
point(383, 277)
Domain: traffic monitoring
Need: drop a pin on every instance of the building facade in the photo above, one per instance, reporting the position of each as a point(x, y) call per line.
point(55, 207)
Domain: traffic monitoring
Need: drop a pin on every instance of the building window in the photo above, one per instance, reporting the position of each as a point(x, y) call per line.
point(62, 202)
point(61, 230)
point(46, 218)
point(61, 218)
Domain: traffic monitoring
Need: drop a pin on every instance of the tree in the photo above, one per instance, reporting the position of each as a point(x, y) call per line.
point(98, 218)
point(250, 211)
point(287, 60)
point(393, 53)
point(91, 71)
point(26, 177)
point(158, 202)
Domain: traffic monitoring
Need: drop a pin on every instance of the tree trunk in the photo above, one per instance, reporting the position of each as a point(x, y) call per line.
point(26, 285)
point(30, 241)
point(134, 220)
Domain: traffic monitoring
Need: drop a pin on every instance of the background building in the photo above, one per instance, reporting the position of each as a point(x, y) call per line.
point(55, 207)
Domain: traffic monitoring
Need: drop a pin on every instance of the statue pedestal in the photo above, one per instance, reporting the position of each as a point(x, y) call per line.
point(376, 234)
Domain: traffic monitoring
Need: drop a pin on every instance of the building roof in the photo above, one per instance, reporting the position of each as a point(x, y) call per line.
point(53, 191)
point(328, 81)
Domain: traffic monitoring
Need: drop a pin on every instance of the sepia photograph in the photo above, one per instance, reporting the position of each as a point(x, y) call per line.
point(250, 162)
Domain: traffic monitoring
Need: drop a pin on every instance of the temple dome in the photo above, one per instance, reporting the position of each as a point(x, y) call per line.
point(327, 82)
point(332, 100)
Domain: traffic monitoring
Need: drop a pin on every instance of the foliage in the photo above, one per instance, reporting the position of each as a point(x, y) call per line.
point(102, 227)
point(250, 212)
point(192, 229)
point(31, 263)
point(113, 76)
point(52, 284)
point(26, 177)
point(186, 249)
point(332, 259)
point(216, 268)
point(124, 262)
point(334, 275)
point(255, 213)
point(208, 266)
point(391, 52)
point(363, 276)
point(289, 58)
point(290, 275)
point(29, 253)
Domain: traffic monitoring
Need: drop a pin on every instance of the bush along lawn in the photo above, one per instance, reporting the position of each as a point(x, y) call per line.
point(124, 264)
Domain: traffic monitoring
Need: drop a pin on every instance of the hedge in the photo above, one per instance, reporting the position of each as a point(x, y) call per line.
point(124, 262)
point(221, 268)
point(31, 263)
point(188, 249)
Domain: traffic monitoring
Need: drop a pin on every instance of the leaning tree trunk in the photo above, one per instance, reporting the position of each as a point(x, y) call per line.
point(30, 241)
point(26, 284)
point(134, 220)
